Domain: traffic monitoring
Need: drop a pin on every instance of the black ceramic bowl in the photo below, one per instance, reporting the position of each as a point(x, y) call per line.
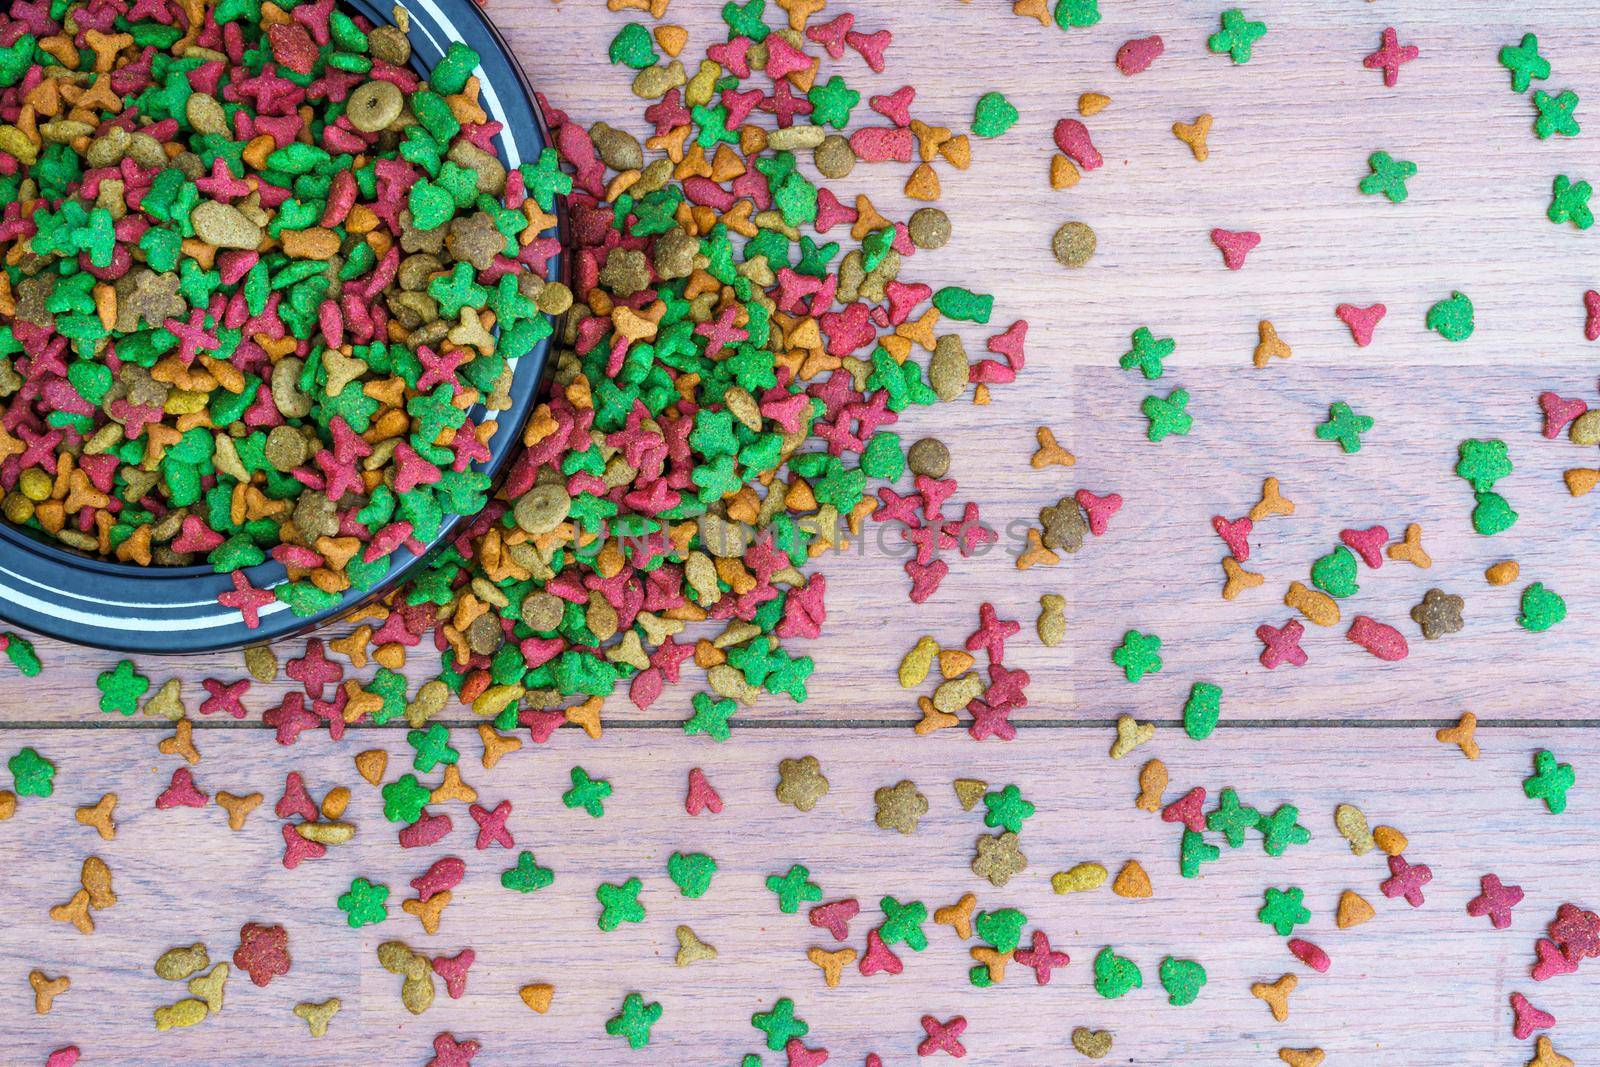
point(52, 590)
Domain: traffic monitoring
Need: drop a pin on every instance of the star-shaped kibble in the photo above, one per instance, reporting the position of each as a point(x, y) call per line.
point(1344, 426)
point(1237, 36)
point(1284, 910)
point(1388, 177)
point(801, 782)
point(1006, 809)
point(1438, 614)
point(619, 903)
point(121, 687)
point(587, 793)
point(1148, 353)
point(634, 1020)
point(1555, 114)
point(1138, 655)
point(1525, 63)
point(1550, 782)
point(404, 799)
point(1569, 202)
point(364, 903)
point(900, 806)
point(998, 858)
point(794, 888)
point(831, 102)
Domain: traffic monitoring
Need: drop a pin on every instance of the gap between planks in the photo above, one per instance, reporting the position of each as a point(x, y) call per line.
point(864, 724)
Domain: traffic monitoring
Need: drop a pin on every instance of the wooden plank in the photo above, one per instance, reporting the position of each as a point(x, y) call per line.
point(1410, 987)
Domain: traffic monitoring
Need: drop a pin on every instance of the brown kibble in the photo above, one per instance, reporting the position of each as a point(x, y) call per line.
point(177, 964)
point(453, 788)
point(326, 833)
point(1237, 579)
point(237, 807)
point(316, 242)
point(1270, 346)
point(98, 815)
point(1580, 480)
point(1503, 573)
point(954, 662)
point(1049, 453)
point(969, 791)
point(1092, 103)
point(1302, 1057)
point(928, 228)
point(46, 990)
point(1276, 995)
point(428, 912)
point(958, 916)
point(8, 804)
point(167, 702)
point(834, 158)
point(801, 782)
point(1438, 614)
point(1390, 840)
point(95, 878)
point(1095, 1044)
point(923, 183)
point(495, 744)
point(993, 960)
point(1353, 910)
point(929, 456)
point(671, 38)
point(1461, 735)
point(1132, 882)
point(1073, 245)
point(1314, 604)
point(831, 963)
point(76, 912)
point(900, 806)
point(180, 743)
point(948, 372)
point(1034, 553)
point(1272, 502)
point(932, 718)
point(1063, 172)
point(537, 996)
point(1409, 549)
point(998, 858)
point(587, 716)
point(371, 764)
point(1153, 780)
point(338, 799)
point(1194, 135)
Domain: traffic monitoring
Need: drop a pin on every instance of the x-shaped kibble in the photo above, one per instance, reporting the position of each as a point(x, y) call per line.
point(1232, 819)
point(587, 793)
point(942, 1037)
point(1388, 177)
point(1524, 62)
point(780, 1024)
point(1494, 900)
point(1148, 353)
point(794, 888)
point(902, 923)
point(1280, 830)
point(1555, 114)
point(635, 1019)
point(1569, 202)
point(1406, 880)
point(1284, 909)
point(619, 903)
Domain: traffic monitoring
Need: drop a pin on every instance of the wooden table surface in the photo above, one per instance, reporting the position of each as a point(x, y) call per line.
point(1429, 986)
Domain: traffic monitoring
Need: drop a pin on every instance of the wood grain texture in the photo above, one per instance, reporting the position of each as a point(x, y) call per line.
point(1293, 131)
